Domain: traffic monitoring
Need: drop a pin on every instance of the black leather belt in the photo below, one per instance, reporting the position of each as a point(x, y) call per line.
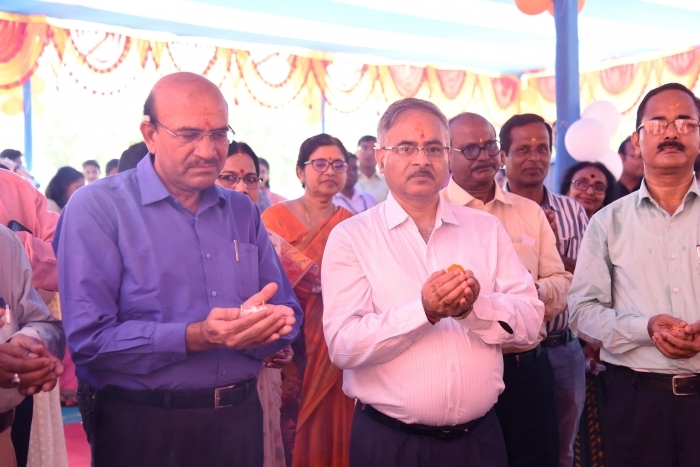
point(6, 419)
point(562, 338)
point(680, 385)
point(217, 398)
point(446, 433)
point(517, 360)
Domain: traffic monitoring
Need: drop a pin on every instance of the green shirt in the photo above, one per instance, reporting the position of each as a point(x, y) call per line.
point(637, 261)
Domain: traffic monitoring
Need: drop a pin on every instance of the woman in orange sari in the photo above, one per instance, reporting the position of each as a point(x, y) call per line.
point(316, 415)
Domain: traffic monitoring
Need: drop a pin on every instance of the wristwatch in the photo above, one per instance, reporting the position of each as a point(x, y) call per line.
point(465, 313)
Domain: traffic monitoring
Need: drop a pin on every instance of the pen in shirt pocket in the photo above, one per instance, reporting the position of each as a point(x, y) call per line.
point(697, 249)
point(238, 258)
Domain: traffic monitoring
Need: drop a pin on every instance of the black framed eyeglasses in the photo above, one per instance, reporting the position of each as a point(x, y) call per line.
point(431, 152)
point(471, 151)
point(251, 181)
point(583, 185)
point(683, 126)
point(185, 137)
point(321, 165)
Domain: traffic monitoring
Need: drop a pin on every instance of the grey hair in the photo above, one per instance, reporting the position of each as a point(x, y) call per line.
point(398, 108)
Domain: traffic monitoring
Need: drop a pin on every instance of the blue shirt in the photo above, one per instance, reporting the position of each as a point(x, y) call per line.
point(135, 267)
point(638, 261)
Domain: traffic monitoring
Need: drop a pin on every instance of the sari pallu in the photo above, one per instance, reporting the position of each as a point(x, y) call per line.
point(316, 416)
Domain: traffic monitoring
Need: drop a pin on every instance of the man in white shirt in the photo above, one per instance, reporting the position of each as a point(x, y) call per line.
point(369, 180)
point(421, 346)
point(350, 198)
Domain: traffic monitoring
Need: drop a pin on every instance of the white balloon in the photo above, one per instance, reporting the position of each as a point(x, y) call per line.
point(587, 140)
point(606, 113)
point(612, 161)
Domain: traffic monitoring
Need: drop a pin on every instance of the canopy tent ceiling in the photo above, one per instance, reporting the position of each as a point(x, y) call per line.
point(487, 35)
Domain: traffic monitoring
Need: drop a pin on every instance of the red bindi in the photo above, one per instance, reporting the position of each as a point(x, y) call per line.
point(242, 171)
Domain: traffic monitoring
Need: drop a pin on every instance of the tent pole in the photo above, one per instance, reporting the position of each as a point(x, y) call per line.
point(567, 79)
point(323, 113)
point(27, 107)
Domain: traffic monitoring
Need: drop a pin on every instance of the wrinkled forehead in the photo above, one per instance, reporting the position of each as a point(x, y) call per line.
point(669, 105)
point(472, 130)
point(416, 126)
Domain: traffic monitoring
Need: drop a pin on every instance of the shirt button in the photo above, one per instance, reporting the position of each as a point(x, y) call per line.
point(223, 372)
point(672, 224)
point(208, 256)
point(675, 290)
point(673, 256)
point(196, 219)
point(682, 362)
point(213, 294)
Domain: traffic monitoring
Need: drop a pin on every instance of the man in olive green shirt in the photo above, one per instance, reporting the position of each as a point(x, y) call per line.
point(636, 291)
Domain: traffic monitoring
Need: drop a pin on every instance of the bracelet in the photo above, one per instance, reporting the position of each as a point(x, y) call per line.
point(465, 313)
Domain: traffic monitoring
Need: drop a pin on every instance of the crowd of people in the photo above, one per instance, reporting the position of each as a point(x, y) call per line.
point(409, 309)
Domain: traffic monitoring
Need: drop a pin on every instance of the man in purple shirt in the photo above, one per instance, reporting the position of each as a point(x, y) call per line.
point(154, 267)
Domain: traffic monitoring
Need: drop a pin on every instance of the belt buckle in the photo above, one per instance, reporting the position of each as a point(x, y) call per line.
point(683, 376)
point(217, 396)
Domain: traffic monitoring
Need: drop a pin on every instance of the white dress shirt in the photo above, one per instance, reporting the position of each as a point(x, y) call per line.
point(374, 185)
point(374, 267)
point(360, 201)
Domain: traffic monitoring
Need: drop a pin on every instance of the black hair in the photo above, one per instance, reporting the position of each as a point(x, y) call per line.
point(12, 154)
point(264, 162)
point(132, 156)
point(243, 148)
point(367, 138)
point(112, 164)
point(149, 107)
point(91, 162)
point(516, 121)
point(621, 149)
point(609, 178)
point(310, 145)
point(57, 187)
point(660, 89)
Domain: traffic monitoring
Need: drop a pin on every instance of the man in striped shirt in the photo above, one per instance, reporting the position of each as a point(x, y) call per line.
point(527, 142)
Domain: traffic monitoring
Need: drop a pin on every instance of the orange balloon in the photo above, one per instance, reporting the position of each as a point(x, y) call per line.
point(532, 7)
point(550, 8)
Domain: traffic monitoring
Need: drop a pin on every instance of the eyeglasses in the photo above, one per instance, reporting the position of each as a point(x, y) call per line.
point(251, 181)
point(218, 137)
point(472, 151)
point(321, 165)
point(683, 126)
point(583, 185)
point(431, 152)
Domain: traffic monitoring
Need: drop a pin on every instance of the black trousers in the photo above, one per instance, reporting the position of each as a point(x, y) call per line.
point(374, 444)
point(527, 415)
point(21, 429)
point(132, 435)
point(647, 427)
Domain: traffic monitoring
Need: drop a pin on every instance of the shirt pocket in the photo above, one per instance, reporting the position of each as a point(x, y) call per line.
point(245, 269)
point(528, 256)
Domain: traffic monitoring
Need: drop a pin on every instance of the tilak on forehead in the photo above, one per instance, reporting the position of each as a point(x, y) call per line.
point(673, 107)
point(419, 128)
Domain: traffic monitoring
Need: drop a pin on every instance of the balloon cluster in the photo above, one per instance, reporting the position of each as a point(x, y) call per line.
point(535, 7)
point(588, 139)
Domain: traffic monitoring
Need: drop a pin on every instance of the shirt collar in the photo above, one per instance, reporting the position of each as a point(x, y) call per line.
point(548, 202)
point(643, 193)
point(458, 195)
point(153, 189)
point(375, 175)
point(395, 214)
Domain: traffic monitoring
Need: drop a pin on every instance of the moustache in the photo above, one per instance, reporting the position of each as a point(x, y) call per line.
point(200, 161)
point(483, 165)
point(671, 144)
point(422, 172)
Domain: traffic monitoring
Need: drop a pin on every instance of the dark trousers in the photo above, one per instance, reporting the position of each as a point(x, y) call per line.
point(374, 444)
point(125, 434)
point(648, 427)
point(21, 429)
point(527, 414)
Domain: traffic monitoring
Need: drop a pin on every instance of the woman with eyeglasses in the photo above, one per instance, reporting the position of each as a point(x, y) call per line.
point(316, 414)
point(591, 184)
point(241, 173)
